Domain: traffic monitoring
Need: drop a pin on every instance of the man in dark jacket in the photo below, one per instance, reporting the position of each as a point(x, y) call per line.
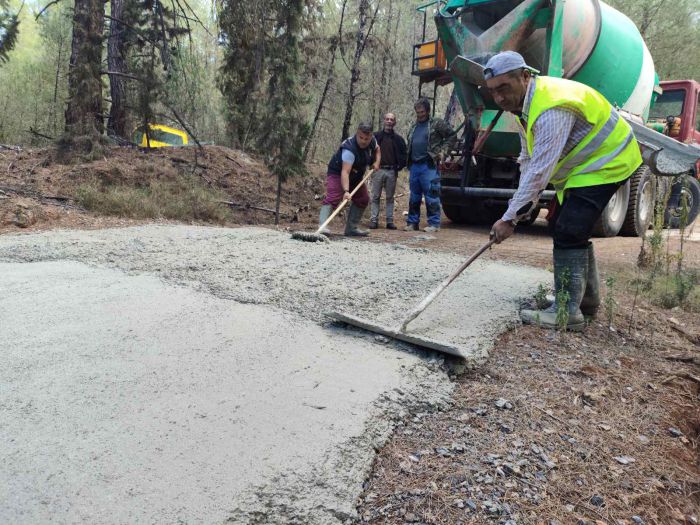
point(346, 170)
point(393, 148)
point(428, 140)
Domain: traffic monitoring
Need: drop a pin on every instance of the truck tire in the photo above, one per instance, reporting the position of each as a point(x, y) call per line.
point(613, 216)
point(690, 187)
point(640, 210)
point(474, 213)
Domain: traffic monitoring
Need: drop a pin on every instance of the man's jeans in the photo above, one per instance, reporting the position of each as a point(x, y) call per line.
point(424, 181)
point(383, 179)
point(573, 221)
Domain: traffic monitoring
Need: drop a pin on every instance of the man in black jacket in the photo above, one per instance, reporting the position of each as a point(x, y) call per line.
point(346, 170)
point(393, 148)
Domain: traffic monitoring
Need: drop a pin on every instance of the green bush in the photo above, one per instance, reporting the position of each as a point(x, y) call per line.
point(677, 289)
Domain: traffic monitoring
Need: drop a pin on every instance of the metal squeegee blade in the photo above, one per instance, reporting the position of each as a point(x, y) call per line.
point(417, 340)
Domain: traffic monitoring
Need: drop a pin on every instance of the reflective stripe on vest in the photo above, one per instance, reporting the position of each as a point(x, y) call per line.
point(593, 145)
point(608, 154)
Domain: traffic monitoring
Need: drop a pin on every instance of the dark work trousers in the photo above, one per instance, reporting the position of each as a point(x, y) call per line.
point(571, 226)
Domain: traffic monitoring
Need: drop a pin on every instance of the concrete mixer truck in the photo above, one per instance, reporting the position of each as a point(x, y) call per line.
point(583, 40)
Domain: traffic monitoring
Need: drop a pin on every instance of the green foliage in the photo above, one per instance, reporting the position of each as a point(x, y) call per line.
point(671, 31)
point(562, 300)
point(265, 104)
point(664, 279)
point(192, 88)
point(33, 84)
point(609, 301)
point(9, 31)
point(283, 129)
point(152, 42)
point(678, 289)
point(239, 58)
point(245, 32)
point(541, 297)
point(182, 199)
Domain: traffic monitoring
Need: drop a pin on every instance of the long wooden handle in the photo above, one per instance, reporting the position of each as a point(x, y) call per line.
point(342, 204)
point(444, 284)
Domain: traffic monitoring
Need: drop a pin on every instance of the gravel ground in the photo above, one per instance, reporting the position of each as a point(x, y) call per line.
point(119, 341)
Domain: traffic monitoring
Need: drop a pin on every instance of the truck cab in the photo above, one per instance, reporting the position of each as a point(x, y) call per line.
point(676, 113)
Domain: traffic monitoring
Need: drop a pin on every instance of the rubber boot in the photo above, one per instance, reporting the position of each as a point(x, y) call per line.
point(570, 276)
point(591, 298)
point(323, 215)
point(351, 226)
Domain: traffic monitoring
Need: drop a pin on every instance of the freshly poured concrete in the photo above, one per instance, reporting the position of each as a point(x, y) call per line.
point(165, 374)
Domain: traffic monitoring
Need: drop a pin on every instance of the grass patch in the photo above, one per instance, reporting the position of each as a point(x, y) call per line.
point(180, 199)
point(662, 277)
point(676, 289)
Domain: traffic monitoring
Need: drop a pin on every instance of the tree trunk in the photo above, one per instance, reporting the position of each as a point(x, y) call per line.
point(116, 51)
point(355, 70)
point(278, 199)
point(54, 105)
point(84, 108)
point(392, 62)
point(330, 77)
point(322, 100)
point(385, 77)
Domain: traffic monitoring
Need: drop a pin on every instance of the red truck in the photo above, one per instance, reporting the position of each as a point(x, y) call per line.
point(676, 113)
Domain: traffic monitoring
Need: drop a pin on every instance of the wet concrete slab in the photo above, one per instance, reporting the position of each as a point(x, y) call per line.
point(177, 373)
point(129, 400)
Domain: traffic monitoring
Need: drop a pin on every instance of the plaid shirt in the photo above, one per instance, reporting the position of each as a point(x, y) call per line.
point(556, 132)
point(441, 137)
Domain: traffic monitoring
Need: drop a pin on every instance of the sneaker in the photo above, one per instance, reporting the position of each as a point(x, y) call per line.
point(390, 226)
point(373, 225)
point(431, 229)
point(411, 228)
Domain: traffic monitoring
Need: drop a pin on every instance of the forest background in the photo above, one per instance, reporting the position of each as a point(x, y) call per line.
point(247, 74)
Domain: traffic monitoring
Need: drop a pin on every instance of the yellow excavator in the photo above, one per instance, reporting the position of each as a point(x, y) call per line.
point(159, 136)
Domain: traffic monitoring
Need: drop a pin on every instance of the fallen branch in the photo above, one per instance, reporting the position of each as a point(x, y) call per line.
point(182, 123)
point(60, 200)
point(693, 338)
point(247, 206)
point(35, 132)
point(683, 359)
point(555, 418)
point(689, 377)
point(293, 218)
point(234, 161)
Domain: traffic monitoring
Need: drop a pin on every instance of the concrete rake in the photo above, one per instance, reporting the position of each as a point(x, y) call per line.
point(317, 236)
point(399, 332)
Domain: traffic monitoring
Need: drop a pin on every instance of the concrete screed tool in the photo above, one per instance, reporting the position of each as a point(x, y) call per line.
point(317, 236)
point(399, 332)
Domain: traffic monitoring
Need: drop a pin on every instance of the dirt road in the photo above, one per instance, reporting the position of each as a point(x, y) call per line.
point(532, 245)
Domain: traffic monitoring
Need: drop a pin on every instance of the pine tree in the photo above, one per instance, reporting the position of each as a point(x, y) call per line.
point(283, 128)
point(244, 33)
point(147, 40)
point(117, 51)
point(9, 30)
point(83, 126)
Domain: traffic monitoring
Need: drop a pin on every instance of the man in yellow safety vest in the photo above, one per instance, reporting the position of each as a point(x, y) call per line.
point(571, 137)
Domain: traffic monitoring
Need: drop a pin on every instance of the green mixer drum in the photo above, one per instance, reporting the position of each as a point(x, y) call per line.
point(620, 66)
